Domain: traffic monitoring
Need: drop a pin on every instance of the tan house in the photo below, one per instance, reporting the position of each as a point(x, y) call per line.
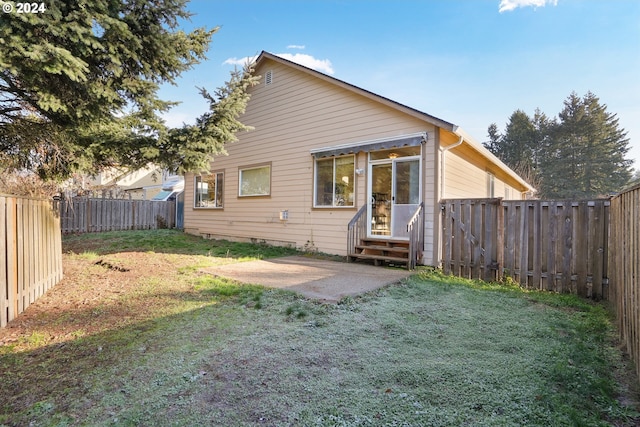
point(335, 168)
point(143, 183)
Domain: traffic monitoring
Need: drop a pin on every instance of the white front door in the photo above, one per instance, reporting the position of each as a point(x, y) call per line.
point(406, 195)
point(394, 193)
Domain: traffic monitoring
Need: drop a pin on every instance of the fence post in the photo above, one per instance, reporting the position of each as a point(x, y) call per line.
point(606, 241)
point(499, 242)
point(133, 215)
point(12, 258)
point(4, 268)
point(88, 216)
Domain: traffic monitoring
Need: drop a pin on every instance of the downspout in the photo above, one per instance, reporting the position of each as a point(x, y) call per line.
point(442, 163)
point(438, 234)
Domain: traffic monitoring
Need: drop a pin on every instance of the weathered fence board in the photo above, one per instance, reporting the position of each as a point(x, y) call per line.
point(472, 243)
point(551, 245)
point(32, 259)
point(90, 215)
point(624, 268)
point(562, 245)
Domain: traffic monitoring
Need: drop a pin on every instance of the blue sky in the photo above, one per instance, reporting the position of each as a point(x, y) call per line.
point(469, 62)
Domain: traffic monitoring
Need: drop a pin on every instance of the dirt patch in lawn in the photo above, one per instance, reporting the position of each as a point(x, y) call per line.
point(102, 290)
point(96, 293)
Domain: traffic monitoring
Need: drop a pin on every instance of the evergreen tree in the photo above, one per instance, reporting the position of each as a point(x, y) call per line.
point(495, 140)
point(192, 147)
point(522, 145)
point(579, 155)
point(541, 138)
point(518, 141)
point(588, 148)
point(635, 179)
point(79, 83)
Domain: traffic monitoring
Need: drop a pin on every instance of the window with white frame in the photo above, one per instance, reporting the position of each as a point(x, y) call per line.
point(209, 190)
point(334, 182)
point(254, 180)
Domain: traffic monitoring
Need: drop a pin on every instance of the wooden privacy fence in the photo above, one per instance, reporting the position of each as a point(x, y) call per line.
point(31, 262)
point(471, 243)
point(556, 245)
point(624, 258)
point(89, 215)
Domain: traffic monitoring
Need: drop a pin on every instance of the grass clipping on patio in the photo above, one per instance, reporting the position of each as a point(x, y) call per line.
point(136, 335)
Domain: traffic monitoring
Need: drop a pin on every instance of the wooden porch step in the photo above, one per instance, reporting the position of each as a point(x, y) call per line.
point(395, 249)
point(378, 240)
point(381, 258)
point(382, 251)
point(379, 247)
point(387, 243)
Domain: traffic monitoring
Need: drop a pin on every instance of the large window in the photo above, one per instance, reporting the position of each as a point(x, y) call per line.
point(334, 182)
point(209, 190)
point(255, 181)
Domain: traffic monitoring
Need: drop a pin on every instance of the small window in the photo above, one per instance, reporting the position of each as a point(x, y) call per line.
point(255, 181)
point(334, 181)
point(209, 191)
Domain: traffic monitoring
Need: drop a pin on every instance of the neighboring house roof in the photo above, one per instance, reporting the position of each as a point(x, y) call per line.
point(464, 138)
point(127, 179)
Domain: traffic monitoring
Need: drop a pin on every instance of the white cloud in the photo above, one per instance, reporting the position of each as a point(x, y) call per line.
point(509, 5)
point(296, 46)
point(323, 65)
point(240, 61)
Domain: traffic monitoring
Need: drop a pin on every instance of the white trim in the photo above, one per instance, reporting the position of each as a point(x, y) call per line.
point(369, 195)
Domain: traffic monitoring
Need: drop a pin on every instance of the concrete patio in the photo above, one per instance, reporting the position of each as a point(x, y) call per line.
point(325, 280)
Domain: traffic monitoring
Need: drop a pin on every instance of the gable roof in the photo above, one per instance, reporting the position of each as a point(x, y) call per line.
point(442, 124)
point(367, 94)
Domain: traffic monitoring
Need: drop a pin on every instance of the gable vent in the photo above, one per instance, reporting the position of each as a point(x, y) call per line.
point(268, 77)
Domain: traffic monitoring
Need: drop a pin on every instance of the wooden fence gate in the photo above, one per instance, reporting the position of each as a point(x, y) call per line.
point(472, 245)
point(556, 245)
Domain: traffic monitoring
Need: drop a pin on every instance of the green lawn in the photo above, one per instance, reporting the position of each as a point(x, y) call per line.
point(172, 346)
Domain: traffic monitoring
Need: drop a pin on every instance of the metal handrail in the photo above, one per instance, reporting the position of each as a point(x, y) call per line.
point(415, 228)
point(356, 230)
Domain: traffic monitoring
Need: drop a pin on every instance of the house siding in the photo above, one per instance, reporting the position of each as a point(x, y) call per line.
point(467, 178)
point(291, 116)
point(462, 178)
